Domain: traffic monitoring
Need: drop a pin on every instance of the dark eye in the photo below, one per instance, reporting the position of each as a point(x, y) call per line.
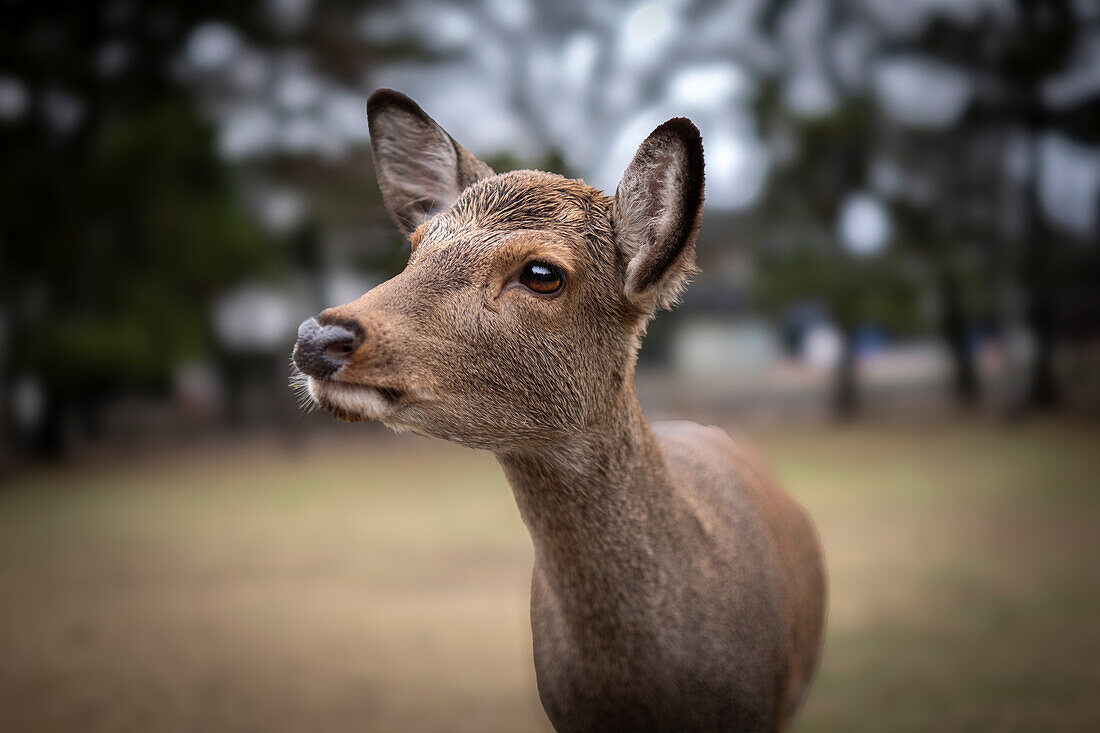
point(542, 277)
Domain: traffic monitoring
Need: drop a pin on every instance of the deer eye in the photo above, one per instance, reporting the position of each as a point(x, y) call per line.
point(542, 277)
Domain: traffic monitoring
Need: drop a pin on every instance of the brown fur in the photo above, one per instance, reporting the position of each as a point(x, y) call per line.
point(675, 586)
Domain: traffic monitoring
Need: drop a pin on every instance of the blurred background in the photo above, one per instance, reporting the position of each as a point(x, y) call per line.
point(899, 304)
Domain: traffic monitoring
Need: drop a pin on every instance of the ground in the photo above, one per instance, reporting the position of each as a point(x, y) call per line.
point(380, 584)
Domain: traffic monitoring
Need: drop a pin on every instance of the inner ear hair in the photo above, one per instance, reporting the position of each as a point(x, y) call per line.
point(657, 209)
point(421, 170)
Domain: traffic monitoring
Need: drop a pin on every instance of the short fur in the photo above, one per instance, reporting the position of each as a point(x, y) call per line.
point(675, 586)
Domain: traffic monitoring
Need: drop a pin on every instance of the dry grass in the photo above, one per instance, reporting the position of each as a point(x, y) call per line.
point(382, 585)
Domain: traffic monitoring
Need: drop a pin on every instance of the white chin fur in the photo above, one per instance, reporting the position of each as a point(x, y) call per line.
point(363, 402)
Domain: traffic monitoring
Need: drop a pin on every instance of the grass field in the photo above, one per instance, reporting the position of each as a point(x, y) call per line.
point(381, 585)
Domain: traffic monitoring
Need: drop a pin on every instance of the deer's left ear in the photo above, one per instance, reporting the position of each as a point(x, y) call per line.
point(421, 169)
point(656, 213)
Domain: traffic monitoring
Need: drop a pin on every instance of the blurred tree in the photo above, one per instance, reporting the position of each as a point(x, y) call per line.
point(1036, 62)
point(799, 245)
point(817, 108)
point(120, 223)
point(1027, 68)
point(924, 106)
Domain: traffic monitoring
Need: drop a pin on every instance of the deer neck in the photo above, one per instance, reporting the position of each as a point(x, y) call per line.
point(601, 512)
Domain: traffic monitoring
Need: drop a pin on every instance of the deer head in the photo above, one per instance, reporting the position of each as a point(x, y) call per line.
point(517, 319)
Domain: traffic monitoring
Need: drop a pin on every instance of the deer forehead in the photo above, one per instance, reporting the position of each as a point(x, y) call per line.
point(476, 255)
point(490, 211)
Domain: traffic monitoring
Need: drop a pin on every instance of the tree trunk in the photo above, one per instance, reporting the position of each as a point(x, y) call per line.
point(1038, 255)
point(846, 390)
point(1043, 391)
point(51, 436)
point(966, 388)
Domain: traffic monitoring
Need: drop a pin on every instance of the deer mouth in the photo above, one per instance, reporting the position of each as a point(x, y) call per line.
point(353, 401)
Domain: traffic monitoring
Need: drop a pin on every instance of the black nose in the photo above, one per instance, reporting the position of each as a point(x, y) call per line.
point(321, 350)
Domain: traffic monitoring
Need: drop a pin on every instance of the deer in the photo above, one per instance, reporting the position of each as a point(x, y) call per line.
point(675, 585)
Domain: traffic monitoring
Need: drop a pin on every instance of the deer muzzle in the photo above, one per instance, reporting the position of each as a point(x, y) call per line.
point(322, 349)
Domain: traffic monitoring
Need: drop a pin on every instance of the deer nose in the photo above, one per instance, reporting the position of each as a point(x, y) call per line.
point(322, 349)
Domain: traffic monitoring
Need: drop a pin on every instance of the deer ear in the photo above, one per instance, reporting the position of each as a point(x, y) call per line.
point(656, 213)
point(421, 169)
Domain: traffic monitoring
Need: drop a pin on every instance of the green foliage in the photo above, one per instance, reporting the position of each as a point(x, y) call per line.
point(112, 253)
point(116, 234)
point(797, 254)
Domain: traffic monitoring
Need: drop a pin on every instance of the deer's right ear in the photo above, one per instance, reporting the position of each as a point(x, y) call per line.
point(420, 168)
point(656, 213)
